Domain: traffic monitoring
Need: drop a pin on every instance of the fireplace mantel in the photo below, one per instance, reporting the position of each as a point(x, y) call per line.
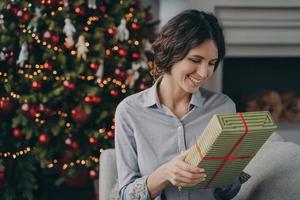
point(261, 29)
point(266, 28)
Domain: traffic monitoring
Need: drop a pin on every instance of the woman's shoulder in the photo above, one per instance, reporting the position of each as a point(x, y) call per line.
point(133, 101)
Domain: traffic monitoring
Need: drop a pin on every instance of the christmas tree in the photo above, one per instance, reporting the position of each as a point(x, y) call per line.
point(64, 67)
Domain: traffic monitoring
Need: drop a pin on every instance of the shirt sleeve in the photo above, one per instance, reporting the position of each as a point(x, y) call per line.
point(132, 186)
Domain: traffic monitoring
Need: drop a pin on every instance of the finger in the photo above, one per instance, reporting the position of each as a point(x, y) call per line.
point(183, 154)
point(183, 181)
point(190, 168)
point(190, 175)
point(190, 184)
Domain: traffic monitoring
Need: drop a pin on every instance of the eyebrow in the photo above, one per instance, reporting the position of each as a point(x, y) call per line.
point(197, 56)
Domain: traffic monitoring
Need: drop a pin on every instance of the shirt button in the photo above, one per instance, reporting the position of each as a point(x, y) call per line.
point(179, 127)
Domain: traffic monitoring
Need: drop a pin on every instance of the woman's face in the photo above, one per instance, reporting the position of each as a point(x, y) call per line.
point(196, 68)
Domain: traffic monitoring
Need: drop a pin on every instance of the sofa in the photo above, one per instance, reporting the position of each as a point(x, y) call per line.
point(275, 173)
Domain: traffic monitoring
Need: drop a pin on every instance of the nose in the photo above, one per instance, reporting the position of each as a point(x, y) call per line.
point(203, 70)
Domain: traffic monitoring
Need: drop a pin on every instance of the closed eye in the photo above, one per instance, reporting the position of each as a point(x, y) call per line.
point(195, 60)
point(212, 64)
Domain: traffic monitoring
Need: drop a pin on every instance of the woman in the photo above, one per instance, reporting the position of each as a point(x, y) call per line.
point(154, 128)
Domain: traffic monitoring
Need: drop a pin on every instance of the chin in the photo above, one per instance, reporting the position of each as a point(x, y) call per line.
point(191, 90)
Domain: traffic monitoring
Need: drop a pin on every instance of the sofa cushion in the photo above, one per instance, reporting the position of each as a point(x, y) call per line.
point(275, 172)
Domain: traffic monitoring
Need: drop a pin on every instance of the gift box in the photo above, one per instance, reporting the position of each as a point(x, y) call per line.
point(227, 145)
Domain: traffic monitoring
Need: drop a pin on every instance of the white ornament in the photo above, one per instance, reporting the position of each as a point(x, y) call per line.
point(34, 22)
point(2, 27)
point(133, 73)
point(81, 48)
point(23, 56)
point(20, 13)
point(122, 31)
point(69, 28)
point(66, 4)
point(100, 70)
point(2, 55)
point(92, 4)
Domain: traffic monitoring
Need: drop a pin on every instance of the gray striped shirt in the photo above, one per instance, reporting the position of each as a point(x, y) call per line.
point(148, 135)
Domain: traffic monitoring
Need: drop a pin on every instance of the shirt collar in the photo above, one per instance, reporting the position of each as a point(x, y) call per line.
point(151, 97)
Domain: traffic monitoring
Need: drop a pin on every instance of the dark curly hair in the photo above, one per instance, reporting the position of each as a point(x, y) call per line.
point(182, 33)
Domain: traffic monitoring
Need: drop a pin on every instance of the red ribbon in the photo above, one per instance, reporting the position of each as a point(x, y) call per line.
point(228, 156)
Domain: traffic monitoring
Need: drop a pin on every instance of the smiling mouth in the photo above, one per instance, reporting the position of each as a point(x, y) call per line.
point(195, 81)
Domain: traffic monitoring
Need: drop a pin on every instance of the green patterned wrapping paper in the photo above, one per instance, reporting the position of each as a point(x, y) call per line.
point(220, 137)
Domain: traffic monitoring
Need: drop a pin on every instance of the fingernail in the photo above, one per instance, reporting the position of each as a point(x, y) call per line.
point(203, 179)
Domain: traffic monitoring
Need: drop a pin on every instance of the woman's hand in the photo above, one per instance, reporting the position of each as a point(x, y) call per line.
point(176, 172)
point(182, 174)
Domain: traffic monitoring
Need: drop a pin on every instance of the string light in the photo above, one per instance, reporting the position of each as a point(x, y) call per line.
point(39, 40)
point(90, 21)
point(65, 166)
point(99, 81)
point(15, 155)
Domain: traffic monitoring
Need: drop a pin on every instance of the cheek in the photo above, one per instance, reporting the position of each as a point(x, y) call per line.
point(210, 72)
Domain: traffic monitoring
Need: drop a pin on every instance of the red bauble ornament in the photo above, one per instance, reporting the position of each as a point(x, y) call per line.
point(111, 134)
point(43, 138)
point(2, 177)
point(48, 66)
point(80, 10)
point(111, 31)
point(78, 115)
point(92, 140)
point(93, 174)
point(102, 8)
point(94, 66)
point(75, 145)
point(6, 106)
point(17, 133)
point(122, 52)
point(135, 26)
point(114, 92)
point(135, 55)
point(69, 85)
point(25, 17)
point(55, 38)
point(88, 99)
point(14, 10)
point(92, 99)
point(32, 112)
point(36, 85)
point(96, 99)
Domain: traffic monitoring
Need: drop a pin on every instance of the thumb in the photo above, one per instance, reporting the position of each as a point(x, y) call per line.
point(183, 154)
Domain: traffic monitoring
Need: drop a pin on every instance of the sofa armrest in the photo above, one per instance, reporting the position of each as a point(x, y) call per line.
point(107, 173)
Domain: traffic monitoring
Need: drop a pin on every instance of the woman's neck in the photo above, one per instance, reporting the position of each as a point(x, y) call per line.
point(171, 95)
